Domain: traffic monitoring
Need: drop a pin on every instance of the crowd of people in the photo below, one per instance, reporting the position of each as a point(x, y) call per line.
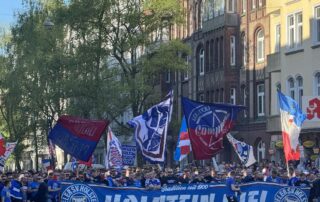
point(46, 186)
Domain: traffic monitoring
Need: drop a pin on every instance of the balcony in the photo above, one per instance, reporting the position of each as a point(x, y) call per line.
point(227, 19)
point(274, 62)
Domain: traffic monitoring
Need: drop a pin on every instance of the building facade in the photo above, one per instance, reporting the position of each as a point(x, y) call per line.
point(294, 68)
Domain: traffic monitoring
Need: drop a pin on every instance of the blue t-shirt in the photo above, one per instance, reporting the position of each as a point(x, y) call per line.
point(33, 185)
point(15, 189)
point(229, 182)
point(292, 181)
point(5, 192)
point(137, 183)
point(54, 184)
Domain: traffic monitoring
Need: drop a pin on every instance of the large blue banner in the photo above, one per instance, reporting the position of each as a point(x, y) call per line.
point(252, 192)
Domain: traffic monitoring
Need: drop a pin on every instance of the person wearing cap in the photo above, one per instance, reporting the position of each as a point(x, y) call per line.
point(231, 187)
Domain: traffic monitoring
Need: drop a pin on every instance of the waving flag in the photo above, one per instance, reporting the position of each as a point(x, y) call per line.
point(114, 152)
point(8, 150)
point(151, 130)
point(46, 163)
point(208, 124)
point(291, 121)
point(243, 150)
point(78, 137)
point(183, 145)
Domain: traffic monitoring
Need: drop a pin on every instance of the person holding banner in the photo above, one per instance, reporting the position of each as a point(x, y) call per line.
point(231, 187)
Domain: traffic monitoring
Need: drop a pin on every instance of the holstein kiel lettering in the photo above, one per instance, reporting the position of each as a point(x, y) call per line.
point(208, 124)
point(79, 193)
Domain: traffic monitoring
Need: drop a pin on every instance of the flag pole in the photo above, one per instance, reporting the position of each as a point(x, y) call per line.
point(288, 168)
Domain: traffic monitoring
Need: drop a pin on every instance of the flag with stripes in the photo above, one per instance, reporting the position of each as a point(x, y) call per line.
point(183, 145)
point(291, 122)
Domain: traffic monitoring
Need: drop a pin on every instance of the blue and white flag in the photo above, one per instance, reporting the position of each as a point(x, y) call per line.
point(128, 155)
point(46, 163)
point(292, 118)
point(244, 151)
point(74, 164)
point(151, 130)
point(183, 146)
point(114, 152)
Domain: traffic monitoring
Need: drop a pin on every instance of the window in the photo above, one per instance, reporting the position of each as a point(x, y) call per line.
point(244, 50)
point(294, 30)
point(260, 94)
point(168, 77)
point(186, 73)
point(316, 29)
point(232, 50)
point(232, 96)
point(300, 90)
point(221, 95)
point(253, 4)
point(261, 148)
point(231, 6)
point(201, 97)
point(260, 46)
point(317, 82)
point(218, 7)
point(244, 97)
point(221, 52)
point(217, 96)
point(217, 54)
point(277, 39)
point(244, 6)
point(260, 3)
point(291, 87)
point(201, 62)
point(278, 87)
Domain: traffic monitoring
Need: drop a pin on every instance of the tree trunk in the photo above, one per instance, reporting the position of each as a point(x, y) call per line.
point(17, 162)
point(36, 149)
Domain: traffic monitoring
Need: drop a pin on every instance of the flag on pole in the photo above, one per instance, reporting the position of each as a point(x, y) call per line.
point(243, 150)
point(46, 163)
point(291, 122)
point(113, 157)
point(183, 145)
point(78, 137)
point(151, 130)
point(207, 125)
point(5, 151)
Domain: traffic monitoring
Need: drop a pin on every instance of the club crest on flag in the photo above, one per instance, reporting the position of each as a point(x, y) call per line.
point(243, 150)
point(208, 124)
point(151, 130)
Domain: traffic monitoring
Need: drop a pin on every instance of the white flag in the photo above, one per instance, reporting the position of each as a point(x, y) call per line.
point(113, 157)
point(244, 151)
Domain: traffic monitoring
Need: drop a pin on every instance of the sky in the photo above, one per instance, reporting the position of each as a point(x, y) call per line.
point(7, 11)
